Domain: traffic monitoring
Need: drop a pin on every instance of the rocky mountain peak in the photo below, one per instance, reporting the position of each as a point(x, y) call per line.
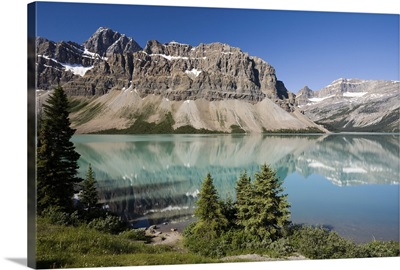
point(123, 45)
point(212, 71)
point(354, 105)
point(342, 83)
point(172, 48)
point(111, 60)
point(154, 47)
point(306, 91)
point(303, 95)
point(105, 41)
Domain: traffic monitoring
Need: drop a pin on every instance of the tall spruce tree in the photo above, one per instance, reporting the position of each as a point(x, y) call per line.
point(211, 220)
point(265, 210)
point(243, 197)
point(89, 196)
point(57, 165)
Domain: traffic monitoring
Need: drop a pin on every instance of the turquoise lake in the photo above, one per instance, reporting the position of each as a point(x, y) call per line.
point(346, 182)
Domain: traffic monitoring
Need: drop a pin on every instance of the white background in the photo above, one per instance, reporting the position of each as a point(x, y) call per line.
point(13, 105)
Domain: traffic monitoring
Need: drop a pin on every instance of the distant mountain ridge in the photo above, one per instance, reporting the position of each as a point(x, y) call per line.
point(354, 105)
point(62, 62)
point(226, 87)
point(110, 60)
point(118, 86)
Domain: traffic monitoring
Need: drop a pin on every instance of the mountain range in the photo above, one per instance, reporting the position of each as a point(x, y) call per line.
point(117, 86)
point(354, 105)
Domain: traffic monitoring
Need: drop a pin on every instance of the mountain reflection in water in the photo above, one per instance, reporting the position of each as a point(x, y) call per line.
point(156, 178)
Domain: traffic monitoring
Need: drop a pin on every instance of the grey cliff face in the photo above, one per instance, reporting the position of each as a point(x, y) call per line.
point(50, 56)
point(105, 42)
point(110, 60)
point(66, 62)
point(354, 105)
point(212, 71)
point(303, 95)
point(123, 45)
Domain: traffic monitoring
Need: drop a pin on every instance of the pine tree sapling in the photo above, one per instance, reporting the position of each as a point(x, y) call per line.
point(209, 210)
point(228, 209)
point(261, 208)
point(89, 196)
point(56, 156)
point(270, 207)
point(243, 197)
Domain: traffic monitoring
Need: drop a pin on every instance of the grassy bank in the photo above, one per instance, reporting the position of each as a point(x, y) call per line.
point(165, 126)
point(60, 246)
point(293, 131)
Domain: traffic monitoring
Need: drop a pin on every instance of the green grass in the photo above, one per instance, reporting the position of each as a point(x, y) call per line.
point(77, 104)
point(191, 130)
point(60, 246)
point(74, 247)
point(296, 131)
point(237, 129)
point(142, 127)
point(163, 127)
point(89, 113)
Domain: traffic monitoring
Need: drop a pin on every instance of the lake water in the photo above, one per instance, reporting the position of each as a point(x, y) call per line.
point(347, 182)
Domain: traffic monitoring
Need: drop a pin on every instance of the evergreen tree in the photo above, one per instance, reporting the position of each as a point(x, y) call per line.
point(228, 210)
point(89, 196)
point(268, 209)
point(209, 212)
point(56, 156)
point(243, 197)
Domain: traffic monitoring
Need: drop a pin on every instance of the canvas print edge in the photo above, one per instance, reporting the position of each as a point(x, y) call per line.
point(31, 152)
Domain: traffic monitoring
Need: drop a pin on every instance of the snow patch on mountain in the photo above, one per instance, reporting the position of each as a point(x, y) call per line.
point(177, 43)
point(93, 55)
point(77, 69)
point(354, 170)
point(319, 99)
point(354, 105)
point(169, 57)
point(354, 94)
point(194, 72)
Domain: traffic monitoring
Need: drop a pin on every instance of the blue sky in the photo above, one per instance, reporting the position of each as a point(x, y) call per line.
point(305, 48)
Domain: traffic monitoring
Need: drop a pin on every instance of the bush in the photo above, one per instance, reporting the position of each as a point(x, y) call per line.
point(135, 235)
point(188, 230)
point(109, 224)
point(198, 245)
point(87, 215)
point(380, 249)
point(232, 242)
point(204, 242)
point(320, 243)
point(56, 216)
point(200, 241)
point(237, 239)
point(280, 248)
point(242, 242)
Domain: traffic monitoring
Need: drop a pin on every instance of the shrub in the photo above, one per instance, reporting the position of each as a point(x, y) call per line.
point(208, 248)
point(380, 249)
point(238, 241)
point(109, 224)
point(87, 215)
point(200, 240)
point(280, 248)
point(320, 243)
point(135, 235)
point(56, 216)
